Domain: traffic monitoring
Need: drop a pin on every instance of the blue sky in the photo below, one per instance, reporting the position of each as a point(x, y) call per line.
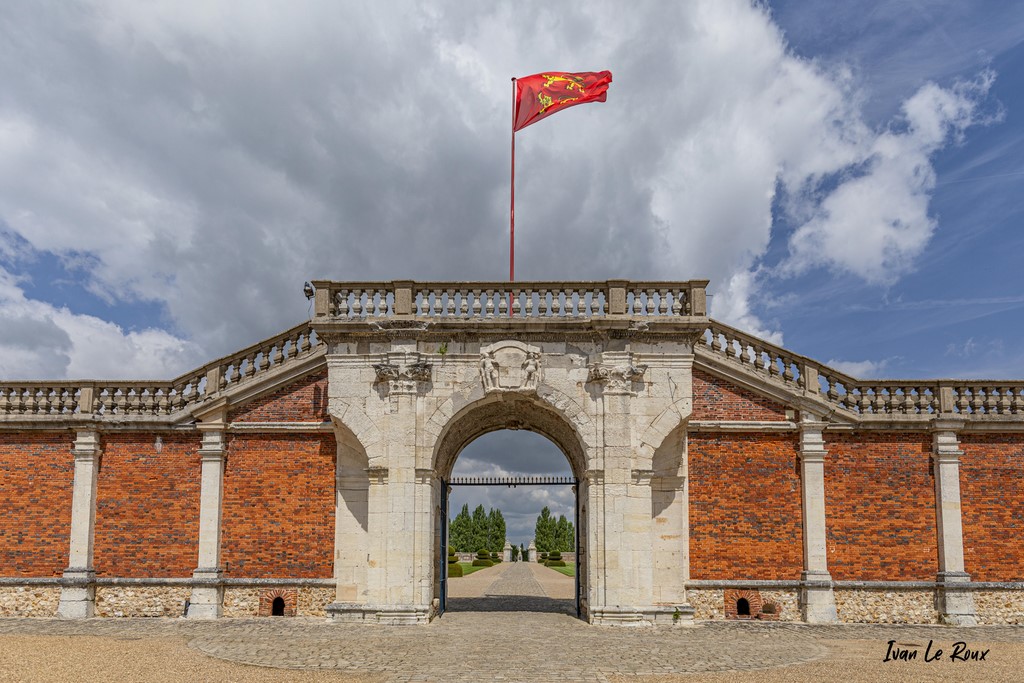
point(848, 175)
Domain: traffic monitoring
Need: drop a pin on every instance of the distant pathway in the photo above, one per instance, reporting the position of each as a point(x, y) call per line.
point(512, 587)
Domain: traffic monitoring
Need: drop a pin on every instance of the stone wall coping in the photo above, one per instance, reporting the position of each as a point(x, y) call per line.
point(16, 581)
point(847, 585)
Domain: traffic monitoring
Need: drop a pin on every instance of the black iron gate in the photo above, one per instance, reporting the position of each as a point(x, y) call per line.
point(511, 482)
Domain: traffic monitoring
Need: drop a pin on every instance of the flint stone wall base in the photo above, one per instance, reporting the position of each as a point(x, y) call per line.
point(310, 601)
point(29, 601)
point(708, 603)
point(139, 601)
point(999, 606)
point(886, 606)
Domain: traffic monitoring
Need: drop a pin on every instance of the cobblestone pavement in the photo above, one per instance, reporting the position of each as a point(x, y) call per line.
point(504, 626)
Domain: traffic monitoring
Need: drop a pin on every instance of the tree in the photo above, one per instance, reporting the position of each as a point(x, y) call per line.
point(478, 533)
point(459, 530)
point(565, 536)
point(495, 531)
point(544, 532)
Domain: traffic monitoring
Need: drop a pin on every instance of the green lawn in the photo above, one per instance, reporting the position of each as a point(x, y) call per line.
point(468, 568)
point(568, 569)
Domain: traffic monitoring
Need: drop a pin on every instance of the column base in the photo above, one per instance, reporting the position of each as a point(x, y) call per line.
point(207, 599)
point(954, 601)
point(394, 615)
point(77, 594)
point(817, 598)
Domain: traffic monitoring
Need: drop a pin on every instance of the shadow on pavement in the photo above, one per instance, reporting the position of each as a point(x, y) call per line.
point(512, 603)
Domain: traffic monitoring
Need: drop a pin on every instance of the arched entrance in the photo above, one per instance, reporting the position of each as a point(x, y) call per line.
point(521, 478)
point(515, 412)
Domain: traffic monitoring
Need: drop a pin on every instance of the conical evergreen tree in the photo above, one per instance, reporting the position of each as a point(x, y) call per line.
point(479, 529)
point(544, 531)
point(458, 531)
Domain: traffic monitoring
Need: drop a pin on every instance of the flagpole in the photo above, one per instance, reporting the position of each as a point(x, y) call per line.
point(512, 198)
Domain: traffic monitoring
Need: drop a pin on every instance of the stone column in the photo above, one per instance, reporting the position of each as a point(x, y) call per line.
point(207, 598)
point(816, 595)
point(955, 602)
point(531, 553)
point(78, 589)
point(507, 552)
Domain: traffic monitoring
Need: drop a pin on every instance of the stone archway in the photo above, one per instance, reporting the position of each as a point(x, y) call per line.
point(499, 411)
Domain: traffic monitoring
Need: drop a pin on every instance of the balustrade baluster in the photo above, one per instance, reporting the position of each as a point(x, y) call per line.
point(489, 303)
point(503, 298)
point(787, 374)
point(883, 399)
point(832, 392)
point(542, 303)
point(464, 303)
point(342, 305)
point(5, 401)
point(556, 303)
point(516, 305)
point(42, 401)
point(477, 304)
point(30, 401)
point(450, 303)
point(357, 303)
point(662, 302)
point(677, 302)
point(529, 303)
point(991, 402)
point(716, 341)
point(962, 402)
point(1005, 400)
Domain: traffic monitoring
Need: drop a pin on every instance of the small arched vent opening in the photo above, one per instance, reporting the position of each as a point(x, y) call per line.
point(742, 607)
point(277, 607)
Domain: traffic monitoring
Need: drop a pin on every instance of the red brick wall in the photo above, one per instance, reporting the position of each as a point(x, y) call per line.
point(717, 399)
point(880, 506)
point(301, 401)
point(745, 516)
point(37, 474)
point(992, 499)
point(278, 519)
point(147, 505)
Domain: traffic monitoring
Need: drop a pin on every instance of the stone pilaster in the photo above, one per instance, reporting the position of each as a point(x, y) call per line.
point(78, 590)
point(621, 500)
point(816, 595)
point(954, 601)
point(207, 599)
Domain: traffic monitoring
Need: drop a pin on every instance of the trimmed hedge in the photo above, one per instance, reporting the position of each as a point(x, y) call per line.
point(454, 569)
point(555, 563)
point(555, 556)
point(482, 563)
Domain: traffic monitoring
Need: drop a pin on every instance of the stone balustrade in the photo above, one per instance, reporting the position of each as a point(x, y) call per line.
point(517, 300)
point(159, 398)
point(972, 398)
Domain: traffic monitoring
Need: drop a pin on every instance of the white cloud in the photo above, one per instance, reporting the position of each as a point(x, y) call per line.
point(41, 341)
point(210, 157)
point(876, 220)
point(860, 369)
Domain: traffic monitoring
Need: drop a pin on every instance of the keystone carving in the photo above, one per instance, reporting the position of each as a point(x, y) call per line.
point(510, 366)
point(616, 378)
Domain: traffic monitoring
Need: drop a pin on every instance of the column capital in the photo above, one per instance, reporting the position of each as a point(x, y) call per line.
point(213, 445)
point(946, 447)
point(87, 444)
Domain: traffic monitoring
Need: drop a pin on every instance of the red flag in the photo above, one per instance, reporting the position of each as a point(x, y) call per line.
point(543, 94)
